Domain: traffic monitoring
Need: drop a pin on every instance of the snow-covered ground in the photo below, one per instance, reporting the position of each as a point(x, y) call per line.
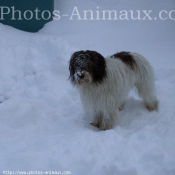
point(42, 124)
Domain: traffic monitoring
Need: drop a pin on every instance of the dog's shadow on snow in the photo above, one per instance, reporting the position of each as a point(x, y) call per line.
point(134, 115)
point(133, 110)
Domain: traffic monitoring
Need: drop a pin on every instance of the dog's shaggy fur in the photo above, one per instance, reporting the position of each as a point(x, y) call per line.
point(104, 84)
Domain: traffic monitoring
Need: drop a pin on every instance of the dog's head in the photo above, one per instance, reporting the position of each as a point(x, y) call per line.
point(87, 67)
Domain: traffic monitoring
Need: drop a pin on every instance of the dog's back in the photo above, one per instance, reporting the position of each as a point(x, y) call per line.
point(126, 58)
point(144, 76)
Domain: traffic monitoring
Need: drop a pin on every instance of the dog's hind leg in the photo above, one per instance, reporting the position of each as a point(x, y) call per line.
point(150, 101)
point(145, 82)
point(146, 90)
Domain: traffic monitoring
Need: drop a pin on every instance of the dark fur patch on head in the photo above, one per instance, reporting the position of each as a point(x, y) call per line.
point(90, 61)
point(126, 58)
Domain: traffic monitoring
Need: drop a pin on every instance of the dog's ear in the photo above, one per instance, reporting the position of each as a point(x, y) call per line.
point(71, 65)
point(72, 60)
point(72, 68)
point(99, 66)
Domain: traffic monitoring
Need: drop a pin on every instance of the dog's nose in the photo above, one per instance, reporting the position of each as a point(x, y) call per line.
point(81, 75)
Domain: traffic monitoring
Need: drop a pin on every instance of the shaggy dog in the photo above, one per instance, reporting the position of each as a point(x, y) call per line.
point(104, 84)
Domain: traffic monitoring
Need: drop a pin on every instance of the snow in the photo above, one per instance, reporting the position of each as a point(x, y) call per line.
point(42, 124)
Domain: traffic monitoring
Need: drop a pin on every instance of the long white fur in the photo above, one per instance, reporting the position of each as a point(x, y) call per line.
point(104, 100)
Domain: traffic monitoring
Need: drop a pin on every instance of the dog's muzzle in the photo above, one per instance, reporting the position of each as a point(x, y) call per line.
point(80, 75)
point(83, 77)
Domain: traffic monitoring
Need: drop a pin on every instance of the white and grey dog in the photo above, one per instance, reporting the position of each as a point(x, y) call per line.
point(104, 84)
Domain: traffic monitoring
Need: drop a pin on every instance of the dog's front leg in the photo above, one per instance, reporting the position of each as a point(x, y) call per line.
point(109, 120)
point(97, 120)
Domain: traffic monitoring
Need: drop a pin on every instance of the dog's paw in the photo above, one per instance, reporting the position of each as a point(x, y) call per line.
point(121, 107)
point(106, 124)
point(95, 124)
point(103, 126)
point(153, 106)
